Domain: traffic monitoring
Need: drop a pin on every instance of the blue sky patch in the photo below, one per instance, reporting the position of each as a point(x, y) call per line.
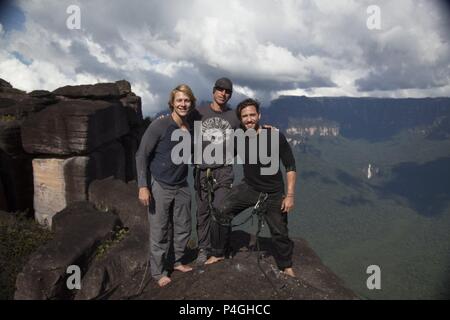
point(11, 16)
point(21, 58)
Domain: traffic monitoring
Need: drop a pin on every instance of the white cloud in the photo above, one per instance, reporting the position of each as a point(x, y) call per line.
point(97, 51)
point(40, 75)
point(266, 47)
point(245, 91)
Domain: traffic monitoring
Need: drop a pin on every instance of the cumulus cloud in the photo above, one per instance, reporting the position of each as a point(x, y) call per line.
point(267, 47)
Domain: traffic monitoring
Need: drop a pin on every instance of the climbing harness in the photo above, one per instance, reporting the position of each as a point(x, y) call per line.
point(259, 210)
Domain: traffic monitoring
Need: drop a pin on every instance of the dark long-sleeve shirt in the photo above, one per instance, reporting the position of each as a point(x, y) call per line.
point(268, 182)
point(154, 155)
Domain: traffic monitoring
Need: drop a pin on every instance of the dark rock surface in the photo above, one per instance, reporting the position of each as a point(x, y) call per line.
point(122, 272)
point(16, 174)
point(41, 94)
point(96, 91)
point(109, 160)
point(18, 105)
point(130, 143)
point(86, 131)
point(121, 198)
point(5, 84)
point(10, 138)
point(15, 165)
point(5, 89)
point(124, 87)
point(45, 97)
point(78, 230)
point(240, 278)
point(133, 108)
point(3, 202)
point(118, 275)
point(73, 127)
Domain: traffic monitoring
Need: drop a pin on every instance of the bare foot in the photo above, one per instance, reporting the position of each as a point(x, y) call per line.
point(289, 272)
point(213, 259)
point(164, 281)
point(182, 268)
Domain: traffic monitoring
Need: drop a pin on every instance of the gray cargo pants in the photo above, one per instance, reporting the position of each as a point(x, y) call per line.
point(169, 210)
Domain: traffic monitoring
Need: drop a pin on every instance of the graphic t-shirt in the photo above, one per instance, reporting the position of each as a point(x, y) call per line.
point(214, 126)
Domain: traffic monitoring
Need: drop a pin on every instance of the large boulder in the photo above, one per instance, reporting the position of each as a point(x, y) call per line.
point(16, 105)
point(59, 182)
point(15, 164)
point(118, 275)
point(79, 230)
point(106, 91)
point(73, 127)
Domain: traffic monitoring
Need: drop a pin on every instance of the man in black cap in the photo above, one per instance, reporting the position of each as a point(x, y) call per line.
point(216, 118)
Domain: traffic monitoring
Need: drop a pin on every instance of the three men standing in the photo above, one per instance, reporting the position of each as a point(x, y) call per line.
point(168, 193)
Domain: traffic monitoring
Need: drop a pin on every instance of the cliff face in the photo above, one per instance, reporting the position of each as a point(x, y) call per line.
point(366, 118)
point(299, 130)
point(313, 130)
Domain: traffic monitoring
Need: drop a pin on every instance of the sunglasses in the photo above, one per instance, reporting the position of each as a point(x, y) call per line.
point(227, 91)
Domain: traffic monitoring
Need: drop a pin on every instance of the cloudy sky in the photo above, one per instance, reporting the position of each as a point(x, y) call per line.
point(267, 47)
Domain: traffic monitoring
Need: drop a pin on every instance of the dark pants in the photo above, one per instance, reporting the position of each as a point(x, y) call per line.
point(242, 197)
point(224, 179)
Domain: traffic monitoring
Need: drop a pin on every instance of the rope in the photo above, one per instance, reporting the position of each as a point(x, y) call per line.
point(259, 210)
point(141, 288)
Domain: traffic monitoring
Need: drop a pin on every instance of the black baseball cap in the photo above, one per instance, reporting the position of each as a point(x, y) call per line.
point(224, 83)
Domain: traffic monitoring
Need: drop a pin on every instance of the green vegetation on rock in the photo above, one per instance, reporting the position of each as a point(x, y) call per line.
point(19, 237)
point(117, 237)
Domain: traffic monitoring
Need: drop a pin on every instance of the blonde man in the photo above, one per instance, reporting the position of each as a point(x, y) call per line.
point(163, 187)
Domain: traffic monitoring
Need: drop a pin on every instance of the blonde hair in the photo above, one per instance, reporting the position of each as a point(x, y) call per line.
point(184, 88)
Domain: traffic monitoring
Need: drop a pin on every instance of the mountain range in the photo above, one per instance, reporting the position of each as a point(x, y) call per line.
point(373, 188)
